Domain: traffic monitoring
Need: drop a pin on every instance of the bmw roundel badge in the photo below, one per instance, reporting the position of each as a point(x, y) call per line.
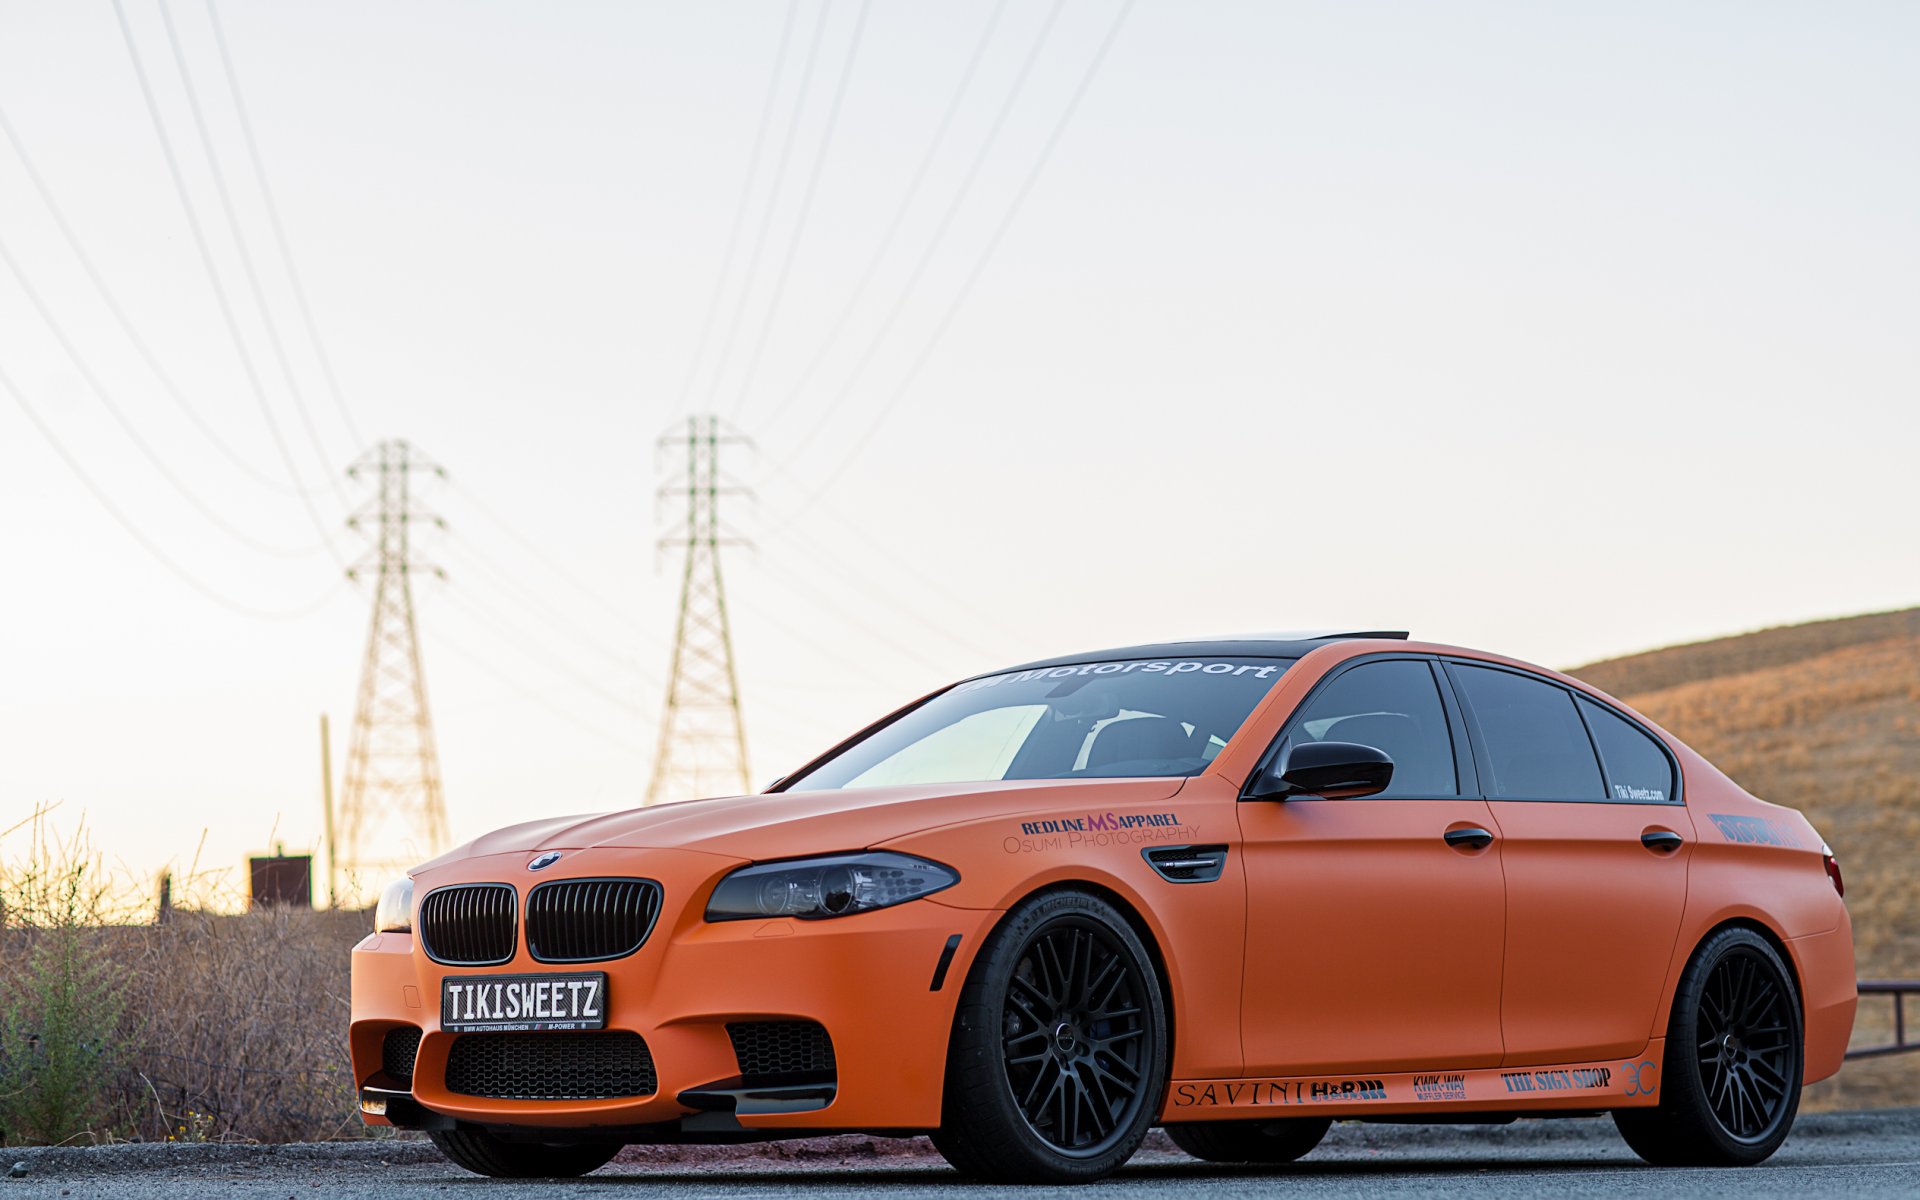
point(543, 861)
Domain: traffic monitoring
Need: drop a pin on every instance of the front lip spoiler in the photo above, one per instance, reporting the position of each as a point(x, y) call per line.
point(764, 1095)
point(381, 1097)
point(720, 1105)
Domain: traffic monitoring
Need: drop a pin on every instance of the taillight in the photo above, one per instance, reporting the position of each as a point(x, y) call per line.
point(1833, 871)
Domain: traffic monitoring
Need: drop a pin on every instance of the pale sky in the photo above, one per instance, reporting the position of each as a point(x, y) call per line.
point(1560, 330)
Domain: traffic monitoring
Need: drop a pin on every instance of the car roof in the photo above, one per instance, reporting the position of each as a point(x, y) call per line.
point(1245, 645)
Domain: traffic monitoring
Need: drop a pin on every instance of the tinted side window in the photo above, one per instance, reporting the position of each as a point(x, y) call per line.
point(1638, 770)
point(1391, 706)
point(1537, 747)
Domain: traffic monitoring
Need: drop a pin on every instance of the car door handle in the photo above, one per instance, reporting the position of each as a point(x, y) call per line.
point(1469, 839)
point(1663, 840)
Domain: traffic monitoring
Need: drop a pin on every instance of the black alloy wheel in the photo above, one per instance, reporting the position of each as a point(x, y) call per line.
point(1058, 1062)
point(1746, 1044)
point(1074, 1035)
point(1730, 1085)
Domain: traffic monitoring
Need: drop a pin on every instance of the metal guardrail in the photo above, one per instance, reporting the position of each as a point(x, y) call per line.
point(1899, 990)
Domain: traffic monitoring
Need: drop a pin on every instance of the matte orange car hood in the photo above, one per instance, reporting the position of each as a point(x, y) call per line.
point(791, 823)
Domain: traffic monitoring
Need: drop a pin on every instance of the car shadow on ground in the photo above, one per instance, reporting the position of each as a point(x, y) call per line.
point(928, 1178)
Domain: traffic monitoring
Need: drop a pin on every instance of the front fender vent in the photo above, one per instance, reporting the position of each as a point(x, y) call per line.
point(1187, 864)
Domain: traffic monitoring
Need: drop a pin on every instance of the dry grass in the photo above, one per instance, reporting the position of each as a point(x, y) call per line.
point(1824, 718)
point(209, 1027)
point(239, 1025)
point(1657, 670)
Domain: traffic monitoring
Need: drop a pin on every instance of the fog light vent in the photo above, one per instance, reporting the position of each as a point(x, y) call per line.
point(398, 1052)
point(781, 1048)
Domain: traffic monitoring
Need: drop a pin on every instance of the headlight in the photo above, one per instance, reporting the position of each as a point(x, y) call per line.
point(834, 886)
point(394, 914)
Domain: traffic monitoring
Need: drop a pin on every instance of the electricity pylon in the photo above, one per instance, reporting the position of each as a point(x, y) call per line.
point(703, 742)
point(392, 814)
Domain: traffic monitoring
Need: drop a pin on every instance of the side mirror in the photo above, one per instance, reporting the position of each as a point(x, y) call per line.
point(1329, 770)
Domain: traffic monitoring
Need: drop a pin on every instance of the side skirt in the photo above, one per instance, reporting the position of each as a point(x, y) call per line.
point(1588, 1087)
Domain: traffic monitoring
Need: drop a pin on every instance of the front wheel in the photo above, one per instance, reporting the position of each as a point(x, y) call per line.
point(484, 1153)
point(1058, 1062)
point(1733, 1060)
point(1277, 1141)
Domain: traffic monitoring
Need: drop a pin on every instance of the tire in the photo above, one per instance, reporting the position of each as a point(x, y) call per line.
point(1276, 1141)
point(1731, 1081)
point(484, 1153)
point(1058, 1062)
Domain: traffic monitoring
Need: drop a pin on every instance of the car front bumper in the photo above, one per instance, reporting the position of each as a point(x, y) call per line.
point(868, 979)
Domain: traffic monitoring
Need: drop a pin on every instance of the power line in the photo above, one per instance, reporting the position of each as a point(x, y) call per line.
point(492, 668)
point(555, 619)
point(247, 266)
point(146, 543)
point(773, 197)
point(468, 552)
point(553, 565)
point(794, 633)
point(834, 731)
point(897, 565)
point(279, 231)
point(979, 266)
point(213, 277)
point(879, 338)
point(798, 581)
point(119, 314)
point(140, 443)
point(622, 617)
point(899, 218)
point(806, 210)
point(516, 637)
point(872, 584)
point(740, 210)
point(506, 631)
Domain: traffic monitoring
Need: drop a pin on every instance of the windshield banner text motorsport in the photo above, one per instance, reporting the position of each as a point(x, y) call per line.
point(1143, 666)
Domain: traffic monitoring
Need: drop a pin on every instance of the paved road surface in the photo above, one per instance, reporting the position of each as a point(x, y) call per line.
point(1861, 1154)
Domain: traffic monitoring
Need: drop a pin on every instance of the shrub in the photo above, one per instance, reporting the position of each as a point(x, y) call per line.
point(61, 1001)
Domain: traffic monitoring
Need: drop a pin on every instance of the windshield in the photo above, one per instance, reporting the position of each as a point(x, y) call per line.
point(1143, 717)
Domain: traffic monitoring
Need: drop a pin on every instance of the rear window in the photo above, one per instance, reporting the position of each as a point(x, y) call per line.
point(1141, 717)
point(1638, 770)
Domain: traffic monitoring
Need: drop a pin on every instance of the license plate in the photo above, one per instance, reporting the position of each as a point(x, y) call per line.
point(524, 1003)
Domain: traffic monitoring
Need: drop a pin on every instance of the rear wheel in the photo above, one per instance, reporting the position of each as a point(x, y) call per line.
point(1731, 1082)
point(1058, 1061)
point(484, 1153)
point(1279, 1141)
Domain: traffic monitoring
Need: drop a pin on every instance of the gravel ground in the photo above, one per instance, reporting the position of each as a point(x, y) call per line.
point(1851, 1154)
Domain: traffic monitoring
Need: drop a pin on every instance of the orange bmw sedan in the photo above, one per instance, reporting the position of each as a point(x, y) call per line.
point(1237, 888)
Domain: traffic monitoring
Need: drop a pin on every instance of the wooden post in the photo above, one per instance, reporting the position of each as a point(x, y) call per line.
point(326, 799)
